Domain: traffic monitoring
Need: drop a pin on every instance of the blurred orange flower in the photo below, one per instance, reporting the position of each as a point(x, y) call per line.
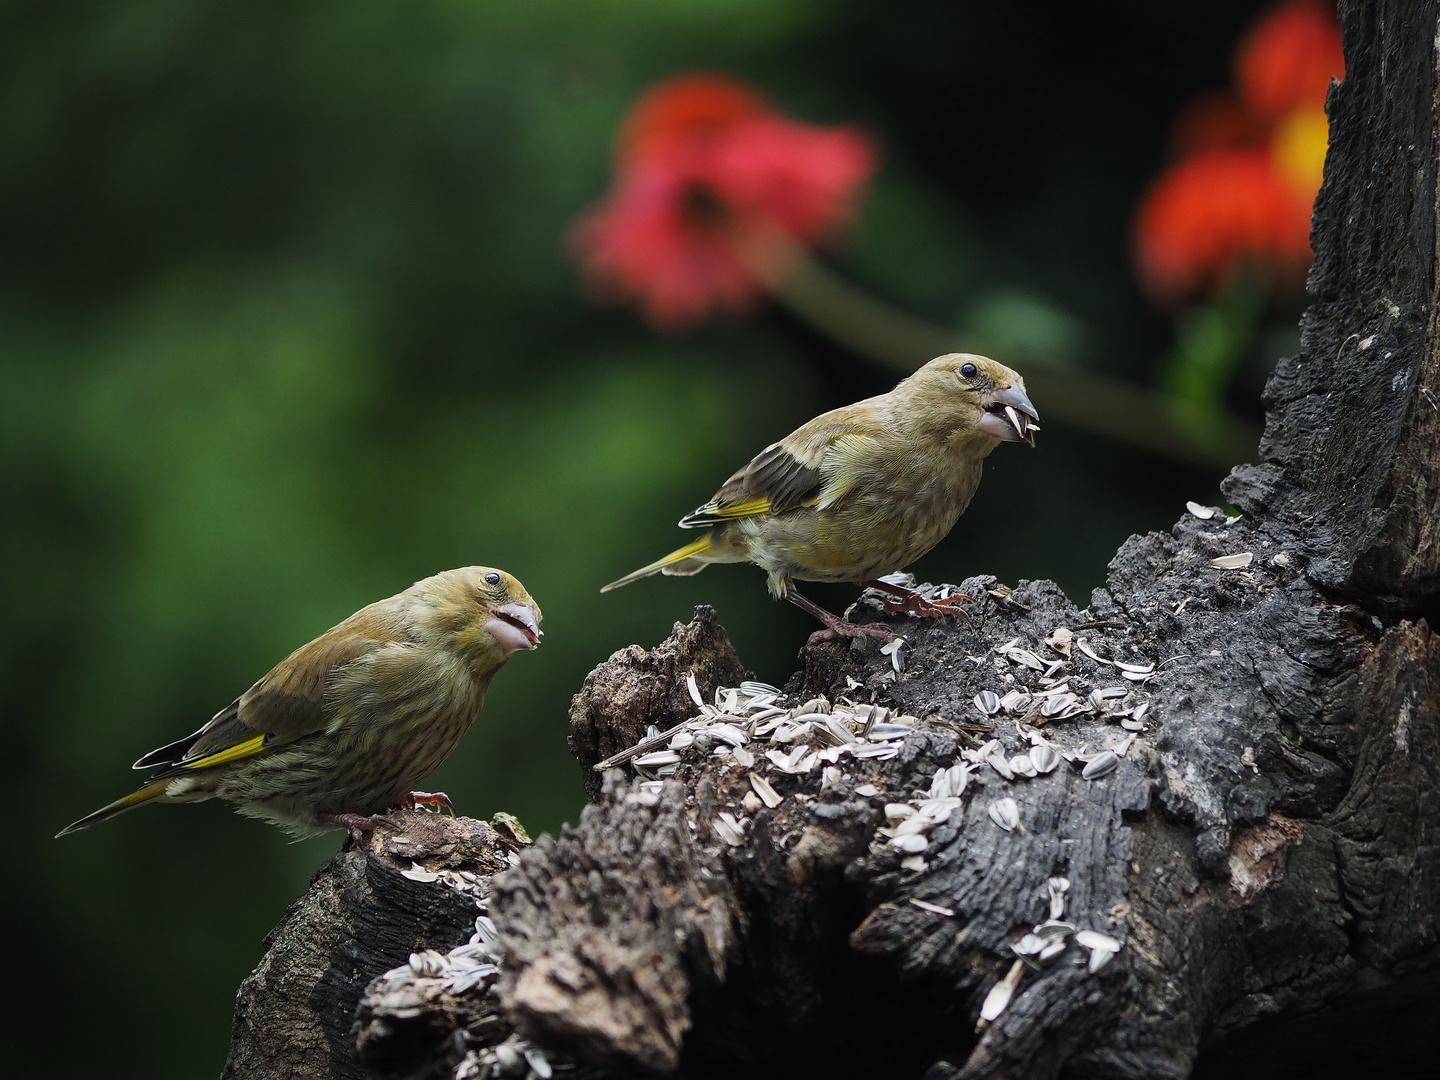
point(708, 178)
point(1240, 193)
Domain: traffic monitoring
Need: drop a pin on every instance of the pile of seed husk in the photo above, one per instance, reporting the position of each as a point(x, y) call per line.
point(751, 724)
point(1043, 945)
point(1039, 692)
point(471, 968)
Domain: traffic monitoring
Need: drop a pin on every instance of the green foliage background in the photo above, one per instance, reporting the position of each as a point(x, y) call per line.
point(286, 323)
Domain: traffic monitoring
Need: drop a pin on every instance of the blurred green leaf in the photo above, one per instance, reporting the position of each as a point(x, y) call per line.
point(1212, 340)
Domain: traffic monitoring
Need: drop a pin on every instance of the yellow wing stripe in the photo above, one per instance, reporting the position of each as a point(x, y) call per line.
point(248, 748)
point(748, 508)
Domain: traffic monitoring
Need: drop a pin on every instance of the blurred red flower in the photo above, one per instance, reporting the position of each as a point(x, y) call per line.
point(711, 188)
point(1241, 191)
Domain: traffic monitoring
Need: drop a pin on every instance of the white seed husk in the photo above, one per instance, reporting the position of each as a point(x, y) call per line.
point(1026, 658)
point(728, 733)
point(1054, 705)
point(768, 795)
point(925, 905)
point(996, 1001)
point(1044, 757)
point(987, 702)
point(1051, 951)
point(1098, 959)
point(917, 824)
point(728, 829)
point(877, 751)
point(757, 689)
point(657, 758)
point(1102, 764)
point(1238, 561)
point(1016, 701)
point(1028, 945)
point(1005, 813)
point(1093, 939)
point(910, 843)
point(1135, 669)
point(937, 811)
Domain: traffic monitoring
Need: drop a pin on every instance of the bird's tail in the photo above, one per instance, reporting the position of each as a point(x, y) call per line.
point(152, 790)
point(681, 562)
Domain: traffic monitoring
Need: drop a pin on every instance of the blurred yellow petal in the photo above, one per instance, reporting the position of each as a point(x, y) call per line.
point(1298, 148)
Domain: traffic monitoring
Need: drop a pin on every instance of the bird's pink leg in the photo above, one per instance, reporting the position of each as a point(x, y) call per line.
point(835, 626)
point(436, 799)
point(358, 824)
point(913, 603)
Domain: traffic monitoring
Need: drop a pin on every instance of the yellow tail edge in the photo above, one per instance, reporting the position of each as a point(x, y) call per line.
point(699, 547)
point(150, 791)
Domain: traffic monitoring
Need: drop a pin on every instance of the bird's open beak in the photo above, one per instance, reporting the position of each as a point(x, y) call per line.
point(1008, 416)
point(514, 626)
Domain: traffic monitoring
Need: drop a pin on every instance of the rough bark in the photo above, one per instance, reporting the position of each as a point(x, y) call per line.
point(1350, 457)
point(295, 1016)
point(636, 689)
point(1266, 851)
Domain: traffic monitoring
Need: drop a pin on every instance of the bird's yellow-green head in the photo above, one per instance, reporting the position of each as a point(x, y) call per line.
point(985, 392)
point(485, 613)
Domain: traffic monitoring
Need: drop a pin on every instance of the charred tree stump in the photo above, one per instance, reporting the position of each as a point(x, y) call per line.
point(366, 911)
point(1227, 861)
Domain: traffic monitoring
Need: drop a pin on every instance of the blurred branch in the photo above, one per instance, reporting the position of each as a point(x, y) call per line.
point(1084, 399)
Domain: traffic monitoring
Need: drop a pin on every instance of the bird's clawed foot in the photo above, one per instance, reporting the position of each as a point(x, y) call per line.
point(859, 631)
point(835, 627)
point(912, 603)
point(358, 824)
point(437, 799)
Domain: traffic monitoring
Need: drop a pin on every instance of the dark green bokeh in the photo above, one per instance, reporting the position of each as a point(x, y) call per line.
point(286, 323)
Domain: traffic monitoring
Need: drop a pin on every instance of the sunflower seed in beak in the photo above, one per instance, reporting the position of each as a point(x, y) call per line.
point(1015, 421)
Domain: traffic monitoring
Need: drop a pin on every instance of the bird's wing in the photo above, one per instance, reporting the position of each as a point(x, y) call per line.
point(844, 462)
point(287, 703)
point(814, 465)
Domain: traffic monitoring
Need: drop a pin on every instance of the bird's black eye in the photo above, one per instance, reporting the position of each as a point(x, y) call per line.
point(968, 371)
point(492, 579)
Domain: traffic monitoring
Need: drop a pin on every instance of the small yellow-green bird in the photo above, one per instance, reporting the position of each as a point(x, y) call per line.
point(862, 491)
point(346, 726)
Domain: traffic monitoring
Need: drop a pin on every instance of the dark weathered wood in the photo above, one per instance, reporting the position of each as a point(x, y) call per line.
point(1351, 454)
point(1268, 850)
point(636, 688)
point(1218, 851)
point(295, 1014)
point(606, 927)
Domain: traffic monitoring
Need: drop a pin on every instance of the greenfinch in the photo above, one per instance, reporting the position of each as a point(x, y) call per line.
point(346, 726)
point(862, 491)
